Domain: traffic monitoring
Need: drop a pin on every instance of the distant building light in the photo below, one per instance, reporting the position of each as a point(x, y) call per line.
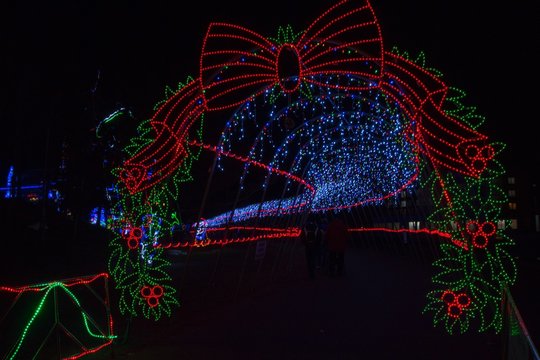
point(514, 224)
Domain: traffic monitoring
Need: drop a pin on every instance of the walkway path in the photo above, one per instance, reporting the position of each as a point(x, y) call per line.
point(374, 312)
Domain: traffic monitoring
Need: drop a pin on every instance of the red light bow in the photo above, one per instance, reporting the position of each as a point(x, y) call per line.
point(345, 42)
point(237, 63)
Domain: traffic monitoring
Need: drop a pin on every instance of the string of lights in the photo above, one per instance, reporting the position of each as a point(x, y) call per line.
point(344, 123)
point(50, 290)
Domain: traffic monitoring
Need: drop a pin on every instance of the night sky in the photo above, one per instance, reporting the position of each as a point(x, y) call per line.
point(69, 64)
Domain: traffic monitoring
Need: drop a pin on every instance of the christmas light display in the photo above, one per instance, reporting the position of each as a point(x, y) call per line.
point(343, 123)
point(51, 292)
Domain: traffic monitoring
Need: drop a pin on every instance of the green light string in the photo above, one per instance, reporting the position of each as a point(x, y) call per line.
point(420, 60)
point(130, 269)
point(285, 35)
point(456, 109)
point(48, 288)
point(472, 264)
point(136, 264)
point(170, 92)
point(479, 272)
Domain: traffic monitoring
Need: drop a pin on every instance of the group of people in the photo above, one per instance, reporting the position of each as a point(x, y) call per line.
point(325, 244)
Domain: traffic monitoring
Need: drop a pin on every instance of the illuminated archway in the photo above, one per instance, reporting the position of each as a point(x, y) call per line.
point(348, 124)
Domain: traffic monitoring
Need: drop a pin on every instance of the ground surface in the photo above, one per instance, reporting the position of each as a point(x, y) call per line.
point(373, 312)
point(236, 307)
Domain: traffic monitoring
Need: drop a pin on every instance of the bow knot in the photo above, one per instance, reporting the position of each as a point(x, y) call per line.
point(237, 63)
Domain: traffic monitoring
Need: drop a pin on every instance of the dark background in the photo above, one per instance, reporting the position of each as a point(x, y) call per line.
point(68, 64)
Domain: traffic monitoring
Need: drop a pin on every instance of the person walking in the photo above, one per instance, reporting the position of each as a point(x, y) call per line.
point(310, 233)
point(338, 238)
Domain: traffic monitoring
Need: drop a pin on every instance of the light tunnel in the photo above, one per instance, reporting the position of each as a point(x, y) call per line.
point(326, 120)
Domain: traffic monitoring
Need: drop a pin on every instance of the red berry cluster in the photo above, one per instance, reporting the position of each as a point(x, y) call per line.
point(132, 177)
point(479, 156)
point(480, 233)
point(455, 302)
point(152, 294)
point(133, 236)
